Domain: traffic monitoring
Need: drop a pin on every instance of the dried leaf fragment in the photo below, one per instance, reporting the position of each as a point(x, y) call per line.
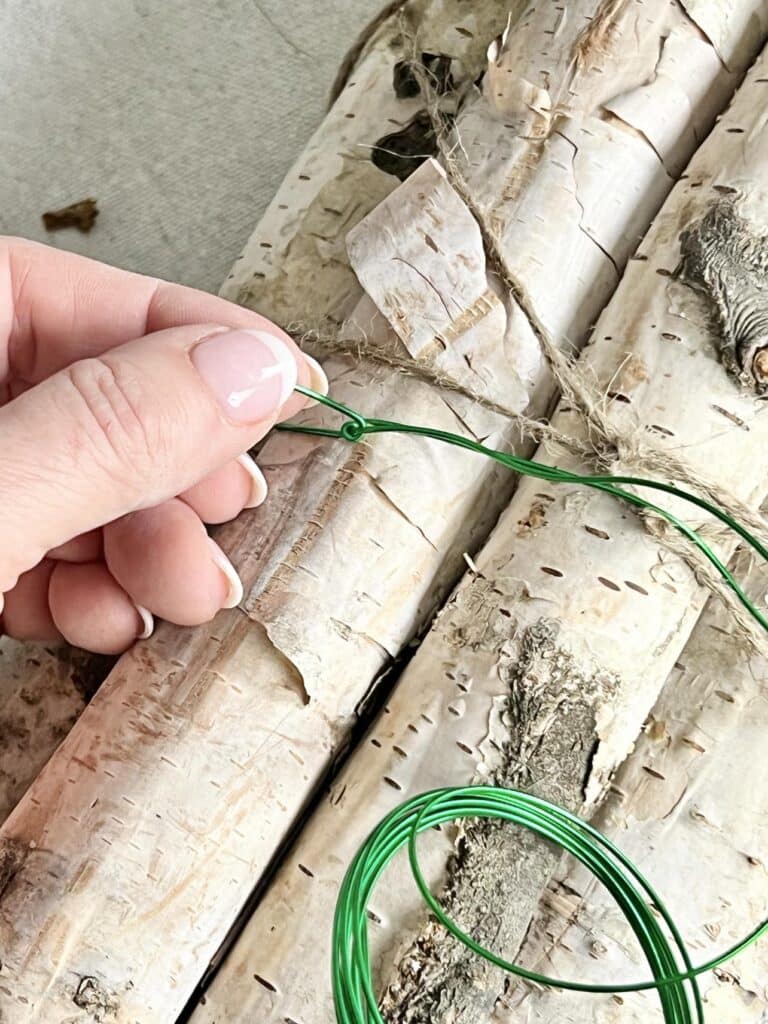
point(81, 215)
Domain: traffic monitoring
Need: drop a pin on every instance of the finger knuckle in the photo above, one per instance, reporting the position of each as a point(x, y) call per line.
point(114, 417)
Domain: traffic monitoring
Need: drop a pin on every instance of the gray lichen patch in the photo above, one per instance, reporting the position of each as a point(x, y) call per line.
point(497, 872)
point(724, 259)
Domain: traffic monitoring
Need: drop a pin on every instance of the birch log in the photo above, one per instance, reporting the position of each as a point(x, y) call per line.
point(542, 667)
point(690, 807)
point(138, 843)
point(294, 268)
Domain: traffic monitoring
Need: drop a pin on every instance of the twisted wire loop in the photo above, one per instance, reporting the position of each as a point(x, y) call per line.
point(358, 426)
point(673, 974)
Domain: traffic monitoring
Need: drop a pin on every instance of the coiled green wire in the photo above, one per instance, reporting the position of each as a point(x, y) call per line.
point(353, 994)
point(674, 976)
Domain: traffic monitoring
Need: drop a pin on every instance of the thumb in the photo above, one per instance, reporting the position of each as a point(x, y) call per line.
point(132, 428)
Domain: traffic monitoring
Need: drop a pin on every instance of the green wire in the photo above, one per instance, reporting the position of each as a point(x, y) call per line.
point(358, 426)
point(673, 975)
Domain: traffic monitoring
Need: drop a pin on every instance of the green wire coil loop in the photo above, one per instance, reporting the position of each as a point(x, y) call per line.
point(673, 975)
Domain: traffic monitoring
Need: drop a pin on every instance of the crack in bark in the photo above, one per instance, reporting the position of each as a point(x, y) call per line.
point(395, 507)
point(346, 632)
point(612, 117)
point(584, 231)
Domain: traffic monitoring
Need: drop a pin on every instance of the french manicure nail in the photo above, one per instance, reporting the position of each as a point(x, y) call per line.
point(318, 380)
point(235, 586)
point(258, 483)
point(250, 372)
point(148, 622)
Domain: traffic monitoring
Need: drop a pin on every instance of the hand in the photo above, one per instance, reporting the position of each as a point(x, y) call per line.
point(125, 406)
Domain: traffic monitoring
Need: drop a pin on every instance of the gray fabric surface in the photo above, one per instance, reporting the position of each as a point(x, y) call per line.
point(179, 116)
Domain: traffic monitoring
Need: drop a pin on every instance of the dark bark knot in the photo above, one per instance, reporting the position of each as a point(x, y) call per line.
point(437, 66)
point(402, 151)
point(723, 258)
point(91, 995)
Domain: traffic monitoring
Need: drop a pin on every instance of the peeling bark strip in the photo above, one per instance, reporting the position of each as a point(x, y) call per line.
point(727, 261)
point(678, 805)
point(623, 606)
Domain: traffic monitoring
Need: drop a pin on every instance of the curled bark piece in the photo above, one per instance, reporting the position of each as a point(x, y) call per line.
point(300, 242)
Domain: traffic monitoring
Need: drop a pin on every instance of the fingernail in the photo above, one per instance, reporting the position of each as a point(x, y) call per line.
point(318, 381)
point(235, 591)
point(148, 622)
point(250, 372)
point(258, 483)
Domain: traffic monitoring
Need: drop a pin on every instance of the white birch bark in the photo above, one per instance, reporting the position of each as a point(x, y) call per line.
point(690, 807)
point(544, 664)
